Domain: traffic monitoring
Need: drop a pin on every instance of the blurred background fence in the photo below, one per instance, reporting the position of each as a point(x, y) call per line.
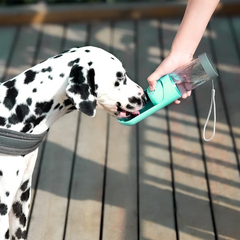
point(23, 2)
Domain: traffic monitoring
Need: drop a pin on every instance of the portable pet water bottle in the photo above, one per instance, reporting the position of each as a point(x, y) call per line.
point(172, 86)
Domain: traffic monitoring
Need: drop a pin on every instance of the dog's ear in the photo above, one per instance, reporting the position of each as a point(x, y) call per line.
point(81, 89)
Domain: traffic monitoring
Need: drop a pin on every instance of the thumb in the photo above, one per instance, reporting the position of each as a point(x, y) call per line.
point(152, 79)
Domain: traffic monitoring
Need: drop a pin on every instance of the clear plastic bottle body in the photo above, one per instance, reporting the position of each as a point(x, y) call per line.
point(189, 76)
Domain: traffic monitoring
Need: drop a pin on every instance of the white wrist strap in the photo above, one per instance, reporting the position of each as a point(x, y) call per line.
point(209, 113)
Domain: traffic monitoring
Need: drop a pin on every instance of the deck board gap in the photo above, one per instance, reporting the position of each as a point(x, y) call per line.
point(172, 175)
point(104, 179)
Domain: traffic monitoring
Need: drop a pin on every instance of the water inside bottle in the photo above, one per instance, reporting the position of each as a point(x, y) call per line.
point(189, 76)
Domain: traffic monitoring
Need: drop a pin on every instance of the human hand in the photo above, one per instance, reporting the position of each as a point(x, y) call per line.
point(168, 65)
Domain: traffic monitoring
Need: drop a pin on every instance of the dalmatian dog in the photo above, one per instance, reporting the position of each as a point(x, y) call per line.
point(82, 79)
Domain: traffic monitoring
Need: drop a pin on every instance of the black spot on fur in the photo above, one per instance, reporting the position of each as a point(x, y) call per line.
point(61, 107)
point(61, 75)
point(3, 209)
point(17, 209)
point(26, 128)
point(118, 104)
point(17, 172)
point(80, 89)
point(43, 107)
point(72, 51)
point(34, 120)
point(10, 83)
point(34, 90)
point(88, 107)
point(19, 233)
point(77, 75)
point(25, 195)
point(30, 76)
point(8, 125)
point(23, 220)
point(50, 77)
point(13, 238)
point(57, 56)
point(90, 64)
point(67, 102)
point(91, 81)
point(1, 173)
point(22, 111)
point(74, 61)
point(2, 121)
point(10, 99)
point(24, 185)
point(13, 119)
point(116, 84)
point(29, 101)
point(7, 234)
point(135, 100)
point(119, 74)
point(87, 50)
point(119, 109)
point(57, 106)
point(7, 194)
point(129, 106)
point(112, 58)
point(125, 81)
point(49, 69)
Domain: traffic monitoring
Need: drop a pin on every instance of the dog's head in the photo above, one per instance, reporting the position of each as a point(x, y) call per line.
point(98, 79)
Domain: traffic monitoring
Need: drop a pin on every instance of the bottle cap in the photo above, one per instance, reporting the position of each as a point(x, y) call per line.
point(208, 66)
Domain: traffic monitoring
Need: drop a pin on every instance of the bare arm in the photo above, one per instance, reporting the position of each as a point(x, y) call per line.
point(190, 32)
point(194, 23)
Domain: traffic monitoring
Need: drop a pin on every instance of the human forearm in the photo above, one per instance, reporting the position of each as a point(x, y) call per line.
point(194, 23)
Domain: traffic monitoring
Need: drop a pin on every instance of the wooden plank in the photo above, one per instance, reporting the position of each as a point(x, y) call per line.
point(48, 216)
point(84, 218)
point(120, 218)
point(156, 203)
point(221, 159)
point(62, 13)
point(6, 42)
point(189, 172)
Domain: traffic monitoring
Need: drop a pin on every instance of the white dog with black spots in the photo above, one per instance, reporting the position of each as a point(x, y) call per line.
point(78, 79)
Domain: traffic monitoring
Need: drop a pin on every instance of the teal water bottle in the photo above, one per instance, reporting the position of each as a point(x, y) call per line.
point(172, 86)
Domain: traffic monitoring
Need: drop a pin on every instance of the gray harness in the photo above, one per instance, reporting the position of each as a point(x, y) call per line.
point(18, 143)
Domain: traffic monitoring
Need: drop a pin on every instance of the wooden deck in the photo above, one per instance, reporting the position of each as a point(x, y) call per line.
point(96, 179)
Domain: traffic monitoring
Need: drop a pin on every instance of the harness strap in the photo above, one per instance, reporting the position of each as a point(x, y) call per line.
point(18, 143)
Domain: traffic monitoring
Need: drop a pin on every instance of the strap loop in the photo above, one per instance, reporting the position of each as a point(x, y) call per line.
point(213, 103)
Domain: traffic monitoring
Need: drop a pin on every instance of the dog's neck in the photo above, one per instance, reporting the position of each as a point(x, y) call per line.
point(35, 108)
